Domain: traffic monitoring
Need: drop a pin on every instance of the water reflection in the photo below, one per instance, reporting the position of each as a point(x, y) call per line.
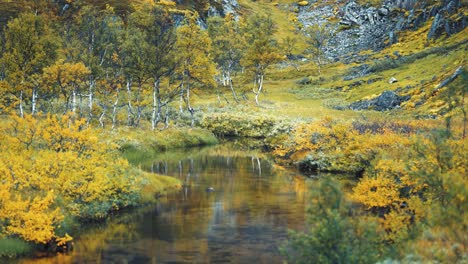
point(243, 220)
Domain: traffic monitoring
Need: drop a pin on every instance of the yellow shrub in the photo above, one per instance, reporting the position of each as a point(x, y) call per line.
point(53, 167)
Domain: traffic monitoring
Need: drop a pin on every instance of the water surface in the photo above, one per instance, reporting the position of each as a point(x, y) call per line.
point(244, 220)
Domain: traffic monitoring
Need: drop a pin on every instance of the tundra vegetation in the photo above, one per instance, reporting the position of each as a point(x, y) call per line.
point(83, 81)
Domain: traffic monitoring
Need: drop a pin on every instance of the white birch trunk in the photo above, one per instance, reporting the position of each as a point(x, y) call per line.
point(181, 101)
point(34, 101)
point(129, 104)
point(189, 106)
point(74, 101)
point(232, 88)
point(156, 115)
point(90, 101)
point(21, 104)
point(259, 90)
point(114, 109)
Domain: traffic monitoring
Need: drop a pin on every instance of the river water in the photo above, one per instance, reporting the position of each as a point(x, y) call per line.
point(244, 218)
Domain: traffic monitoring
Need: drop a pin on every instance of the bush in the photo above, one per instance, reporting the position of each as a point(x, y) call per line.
point(244, 125)
point(52, 169)
point(334, 236)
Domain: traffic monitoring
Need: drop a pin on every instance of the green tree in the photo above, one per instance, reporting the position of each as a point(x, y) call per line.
point(161, 37)
point(317, 36)
point(137, 63)
point(193, 58)
point(289, 45)
point(66, 79)
point(333, 237)
point(92, 38)
point(228, 43)
point(262, 50)
point(29, 47)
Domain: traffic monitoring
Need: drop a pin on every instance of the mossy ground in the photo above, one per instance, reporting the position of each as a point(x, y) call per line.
point(420, 67)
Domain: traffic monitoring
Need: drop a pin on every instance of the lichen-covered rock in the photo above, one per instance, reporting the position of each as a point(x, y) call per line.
point(386, 101)
point(364, 28)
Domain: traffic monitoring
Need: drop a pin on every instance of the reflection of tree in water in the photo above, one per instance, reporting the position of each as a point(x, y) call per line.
point(242, 220)
point(251, 200)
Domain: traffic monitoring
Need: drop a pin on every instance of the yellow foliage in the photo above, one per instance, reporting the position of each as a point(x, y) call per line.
point(377, 192)
point(166, 3)
point(395, 223)
point(33, 220)
point(53, 167)
point(62, 241)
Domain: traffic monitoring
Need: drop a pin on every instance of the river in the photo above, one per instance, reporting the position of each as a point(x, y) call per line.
point(236, 206)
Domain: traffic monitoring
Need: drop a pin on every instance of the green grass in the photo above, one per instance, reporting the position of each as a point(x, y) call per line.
point(156, 185)
point(13, 247)
point(285, 27)
point(148, 141)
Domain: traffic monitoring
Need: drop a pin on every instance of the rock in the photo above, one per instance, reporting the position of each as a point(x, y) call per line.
point(210, 189)
point(401, 24)
point(450, 79)
point(392, 38)
point(370, 28)
point(383, 11)
point(357, 72)
point(223, 8)
point(397, 54)
point(373, 80)
point(419, 20)
point(386, 101)
point(304, 81)
point(392, 80)
point(436, 26)
point(356, 84)
point(295, 57)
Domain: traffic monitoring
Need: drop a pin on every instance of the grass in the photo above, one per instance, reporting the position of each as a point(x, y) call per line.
point(285, 27)
point(128, 139)
point(420, 68)
point(156, 185)
point(13, 247)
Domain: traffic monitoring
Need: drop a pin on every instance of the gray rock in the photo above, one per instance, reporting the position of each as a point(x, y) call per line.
point(383, 11)
point(363, 28)
point(392, 37)
point(386, 101)
point(392, 80)
point(357, 72)
point(437, 25)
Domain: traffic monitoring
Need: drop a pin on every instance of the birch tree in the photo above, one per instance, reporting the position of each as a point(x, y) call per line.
point(29, 46)
point(160, 35)
point(228, 42)
point(193, 58)
point(318, 37)
point(262, 50)
point(136, 59)
point(92, 38)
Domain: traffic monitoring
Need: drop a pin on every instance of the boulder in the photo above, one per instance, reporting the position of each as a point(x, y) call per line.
point(383, 11)
point(436, 27)
point(392, 80)
point(392, 38)
point(386, 101)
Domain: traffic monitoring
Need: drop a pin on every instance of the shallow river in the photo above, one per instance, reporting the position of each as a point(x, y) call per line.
point(243, 219)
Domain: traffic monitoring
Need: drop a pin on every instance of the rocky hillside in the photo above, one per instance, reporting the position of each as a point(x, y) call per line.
point(356, 27)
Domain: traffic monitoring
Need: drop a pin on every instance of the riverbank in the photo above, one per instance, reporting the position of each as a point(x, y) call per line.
point(58, 175)
point(243, 218)
point(410, 175)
